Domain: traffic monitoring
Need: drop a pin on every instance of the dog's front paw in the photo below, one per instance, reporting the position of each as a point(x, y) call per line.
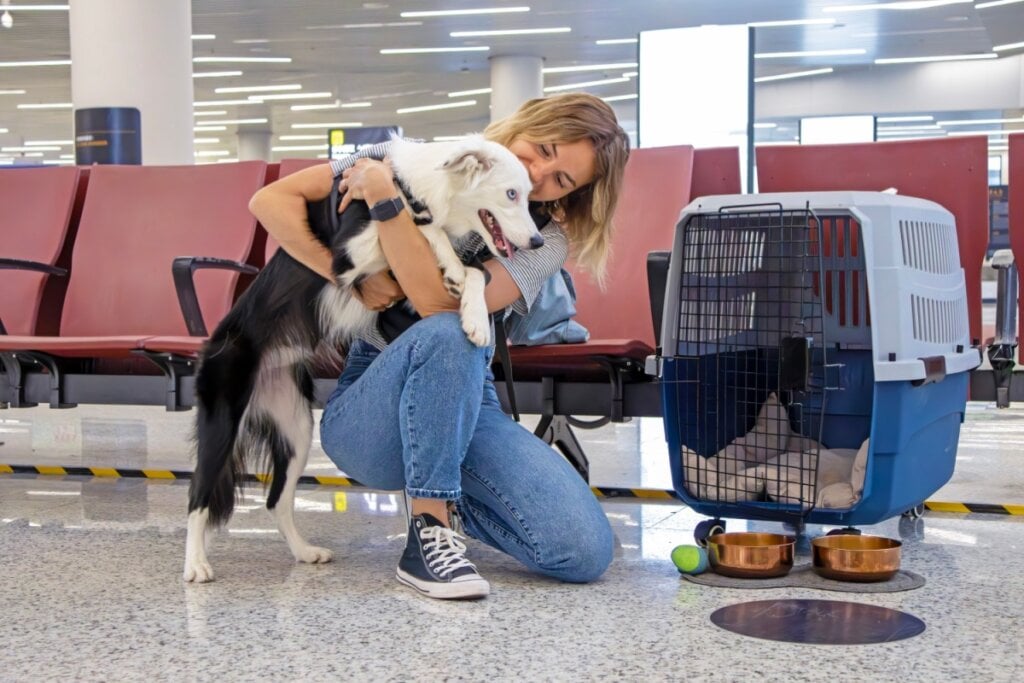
point(476, 324)
point(197, 571)
point(312, 554)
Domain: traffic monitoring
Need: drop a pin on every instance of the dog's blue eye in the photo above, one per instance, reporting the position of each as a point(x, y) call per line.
point(512, 194)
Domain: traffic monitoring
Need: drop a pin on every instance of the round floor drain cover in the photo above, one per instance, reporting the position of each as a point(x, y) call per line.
point(822, 622)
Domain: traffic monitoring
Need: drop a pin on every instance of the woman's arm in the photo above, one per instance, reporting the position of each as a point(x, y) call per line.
point(281, 208)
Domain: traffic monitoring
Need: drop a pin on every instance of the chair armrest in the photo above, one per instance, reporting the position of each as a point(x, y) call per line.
point(657, 281)
point(183, 269)
point(34, 266)
point(21, 264)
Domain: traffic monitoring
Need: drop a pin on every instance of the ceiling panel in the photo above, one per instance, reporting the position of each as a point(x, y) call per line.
point(335, 46)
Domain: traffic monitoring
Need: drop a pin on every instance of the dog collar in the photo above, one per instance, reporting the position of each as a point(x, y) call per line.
point(420, 211)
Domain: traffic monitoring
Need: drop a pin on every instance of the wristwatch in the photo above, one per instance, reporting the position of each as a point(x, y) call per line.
point(386, 209)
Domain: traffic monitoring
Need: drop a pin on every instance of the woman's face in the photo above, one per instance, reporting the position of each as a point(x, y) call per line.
point(555, 169)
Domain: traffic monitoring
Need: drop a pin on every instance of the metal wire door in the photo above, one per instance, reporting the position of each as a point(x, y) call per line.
point(751, 344)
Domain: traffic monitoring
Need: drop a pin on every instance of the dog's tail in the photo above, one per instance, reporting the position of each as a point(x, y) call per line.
point(224, 385)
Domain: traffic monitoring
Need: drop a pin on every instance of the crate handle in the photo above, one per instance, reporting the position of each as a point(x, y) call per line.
point(934, 370)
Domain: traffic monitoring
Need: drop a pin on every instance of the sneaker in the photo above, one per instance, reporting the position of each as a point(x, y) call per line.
point(435, 564)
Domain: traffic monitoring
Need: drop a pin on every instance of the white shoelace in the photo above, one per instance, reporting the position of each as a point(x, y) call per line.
point(444, 550)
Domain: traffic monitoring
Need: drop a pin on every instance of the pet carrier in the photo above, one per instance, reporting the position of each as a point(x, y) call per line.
point(815, 356)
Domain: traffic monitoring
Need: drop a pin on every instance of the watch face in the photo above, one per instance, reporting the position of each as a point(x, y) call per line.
point(386, 209)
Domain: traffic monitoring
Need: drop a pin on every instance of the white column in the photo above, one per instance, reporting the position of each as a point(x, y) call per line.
point(127, 53)
point(514, 79)
point(253, 145)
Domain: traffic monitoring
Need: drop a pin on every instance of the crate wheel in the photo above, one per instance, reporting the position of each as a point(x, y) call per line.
point(845, 531)
point(916, 512)
point(706, 529)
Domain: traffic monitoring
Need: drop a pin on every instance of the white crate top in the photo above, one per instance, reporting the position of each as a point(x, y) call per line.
point(916, 292)
point(822, 201)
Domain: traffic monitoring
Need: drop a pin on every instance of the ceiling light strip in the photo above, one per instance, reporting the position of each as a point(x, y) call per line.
point(936, 58)
point(469, 93)
point(39, 62)
point(996, 3)
point(292, 96)
point(343, 124)
point(793, 74)
point(258, 88)
point(461, 12)
point(846, 52)
point(433, 107)
point(585, 84)
point(46, 105)
point(336, 104)
point(898, 6)
point(235, 122)
point(509, 32)
point(229, 60)
point(791, 22)
point(589, 67)
point(38, 8)
point(215, 74)
point(222, 103)
point(429, 50)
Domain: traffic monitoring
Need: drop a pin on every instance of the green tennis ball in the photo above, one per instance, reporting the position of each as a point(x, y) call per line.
point(690, 559)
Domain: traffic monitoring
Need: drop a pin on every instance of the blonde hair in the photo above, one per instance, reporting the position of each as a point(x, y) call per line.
point(586, 212)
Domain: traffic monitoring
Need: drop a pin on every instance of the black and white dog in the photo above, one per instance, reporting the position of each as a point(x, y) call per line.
point(254, 385)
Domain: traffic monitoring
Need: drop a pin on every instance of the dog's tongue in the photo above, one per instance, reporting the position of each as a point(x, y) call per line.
point(502, 245)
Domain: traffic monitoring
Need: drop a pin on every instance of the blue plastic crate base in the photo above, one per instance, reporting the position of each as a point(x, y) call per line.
point(913, 433)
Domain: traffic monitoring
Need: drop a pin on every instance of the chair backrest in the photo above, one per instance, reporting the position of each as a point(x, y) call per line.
point(716, 170)
point(1017, 222)
point(135, 221)
point(36, 207)
point(655, 189)
point(950, 172)
point(287, 167)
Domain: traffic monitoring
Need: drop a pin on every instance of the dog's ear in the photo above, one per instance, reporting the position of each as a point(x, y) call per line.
point(469, 166)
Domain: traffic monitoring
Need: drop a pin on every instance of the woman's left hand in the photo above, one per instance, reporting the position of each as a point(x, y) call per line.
point(368, 180)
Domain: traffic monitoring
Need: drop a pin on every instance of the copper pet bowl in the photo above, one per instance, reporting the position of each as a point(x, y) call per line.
point(747, 555)
point(856, 558)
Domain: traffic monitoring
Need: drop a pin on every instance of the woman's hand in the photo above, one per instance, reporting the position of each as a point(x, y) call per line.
point(379, 291)
point(369, 180)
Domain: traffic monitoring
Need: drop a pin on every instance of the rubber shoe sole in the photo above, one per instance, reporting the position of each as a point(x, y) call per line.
point(469, 589)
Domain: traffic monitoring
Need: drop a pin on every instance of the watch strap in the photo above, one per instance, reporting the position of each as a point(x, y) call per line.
point(386, 209)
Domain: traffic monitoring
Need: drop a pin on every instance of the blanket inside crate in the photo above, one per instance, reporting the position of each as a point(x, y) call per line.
point(771, 462)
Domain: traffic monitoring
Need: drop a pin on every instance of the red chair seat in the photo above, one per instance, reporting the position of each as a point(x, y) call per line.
point(178, 345)
point(75, 347)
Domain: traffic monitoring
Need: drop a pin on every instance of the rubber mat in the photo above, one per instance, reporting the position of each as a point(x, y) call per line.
point(802, 576)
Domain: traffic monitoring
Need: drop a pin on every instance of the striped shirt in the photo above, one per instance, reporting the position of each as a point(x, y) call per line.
point(528, 268)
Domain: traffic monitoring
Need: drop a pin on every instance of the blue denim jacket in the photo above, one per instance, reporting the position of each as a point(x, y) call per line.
point(549, 320)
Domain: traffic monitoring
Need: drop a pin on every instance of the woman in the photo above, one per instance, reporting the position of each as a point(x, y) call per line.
point(420, 413)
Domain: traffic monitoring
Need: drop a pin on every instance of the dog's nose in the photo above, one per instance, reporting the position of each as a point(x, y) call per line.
point(536, 241)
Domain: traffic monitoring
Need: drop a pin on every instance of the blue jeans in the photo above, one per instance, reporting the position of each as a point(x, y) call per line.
point(423, 415)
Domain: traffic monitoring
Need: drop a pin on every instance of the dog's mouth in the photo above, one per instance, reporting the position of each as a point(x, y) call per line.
point(504, 247)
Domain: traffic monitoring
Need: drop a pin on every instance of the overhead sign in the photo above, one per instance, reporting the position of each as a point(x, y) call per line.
point(108, 135)
point(344, 141)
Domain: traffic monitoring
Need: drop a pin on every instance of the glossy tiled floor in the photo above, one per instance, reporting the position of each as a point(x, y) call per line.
point(90, 570)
